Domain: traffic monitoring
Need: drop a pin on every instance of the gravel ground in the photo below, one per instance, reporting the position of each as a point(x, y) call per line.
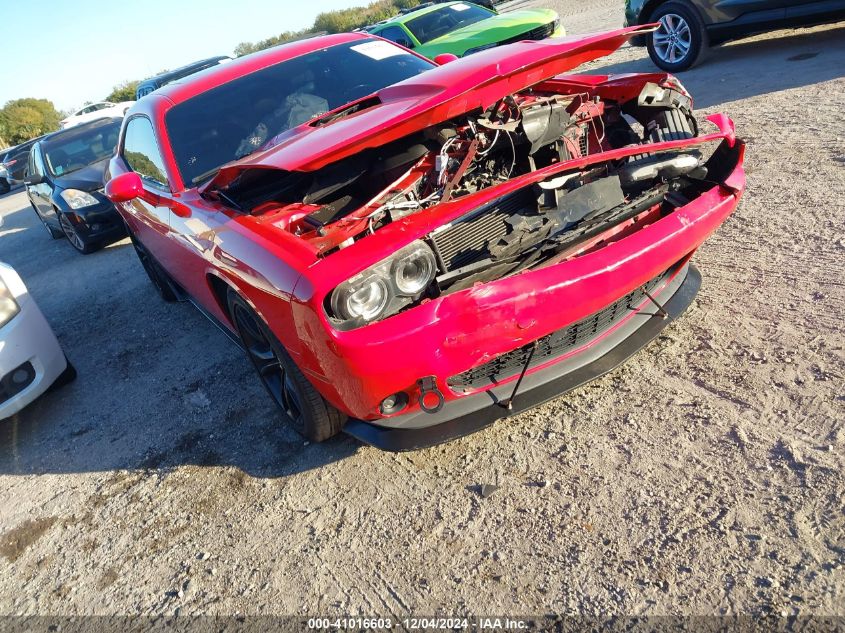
point(704, 477)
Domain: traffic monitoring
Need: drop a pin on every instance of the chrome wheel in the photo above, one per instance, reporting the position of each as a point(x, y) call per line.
point(673, 38)
point(271, 369)
point(70, 233)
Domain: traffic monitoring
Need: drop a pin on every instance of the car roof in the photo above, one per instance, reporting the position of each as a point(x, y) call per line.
point(187, 68)
point(77, 129)
point(23, 146)
point(404, 17)
point(193, 85)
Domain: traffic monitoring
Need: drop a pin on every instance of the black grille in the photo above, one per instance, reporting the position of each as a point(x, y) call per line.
point(468, 239)
point(556, 343)
point(540, 33)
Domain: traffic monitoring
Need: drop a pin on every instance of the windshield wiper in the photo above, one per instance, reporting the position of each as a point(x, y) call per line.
point(205, 176)
point(355, 107)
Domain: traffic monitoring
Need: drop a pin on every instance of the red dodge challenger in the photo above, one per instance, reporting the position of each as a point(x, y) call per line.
point(409, 251)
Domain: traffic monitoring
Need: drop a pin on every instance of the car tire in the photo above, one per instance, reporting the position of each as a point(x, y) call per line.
point(73, 236)
point(303, 407)
point(681, 38)
point(5, 187)
point(159, 278)
point(66, 377)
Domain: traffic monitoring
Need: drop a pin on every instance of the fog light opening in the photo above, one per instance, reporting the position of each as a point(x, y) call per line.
point(20, 377)
point(394, 403)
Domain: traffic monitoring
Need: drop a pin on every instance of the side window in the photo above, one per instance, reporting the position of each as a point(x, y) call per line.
point(140, 151)
point(36, 164)
point(396, 34)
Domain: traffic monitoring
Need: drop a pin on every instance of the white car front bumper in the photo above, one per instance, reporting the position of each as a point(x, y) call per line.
point(31, 358)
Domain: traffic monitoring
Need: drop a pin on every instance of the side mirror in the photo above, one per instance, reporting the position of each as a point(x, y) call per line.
point(125, 187)
point(405, 43)
point(33, 179)
point(445, 58)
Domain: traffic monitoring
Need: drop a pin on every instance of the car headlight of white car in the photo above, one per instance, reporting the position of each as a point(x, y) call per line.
point(77, 199)
point(8, 306)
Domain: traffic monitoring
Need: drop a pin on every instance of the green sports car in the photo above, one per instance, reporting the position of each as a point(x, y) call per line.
point(463, 28)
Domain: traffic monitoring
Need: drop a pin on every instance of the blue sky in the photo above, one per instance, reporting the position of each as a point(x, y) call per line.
point(76, 51)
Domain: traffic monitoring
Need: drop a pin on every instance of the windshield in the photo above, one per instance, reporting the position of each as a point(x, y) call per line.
point(444, 20)
point(81, 146)
point(249, 113)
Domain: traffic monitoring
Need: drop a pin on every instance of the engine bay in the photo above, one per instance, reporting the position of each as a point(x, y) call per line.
point(568, 214)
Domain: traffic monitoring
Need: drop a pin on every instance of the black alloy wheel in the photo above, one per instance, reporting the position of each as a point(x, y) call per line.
point(156, 274)
point(303, 407)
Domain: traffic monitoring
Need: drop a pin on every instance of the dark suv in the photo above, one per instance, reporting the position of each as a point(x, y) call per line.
point(687, 27)
point(13, 165)
point(154, 83)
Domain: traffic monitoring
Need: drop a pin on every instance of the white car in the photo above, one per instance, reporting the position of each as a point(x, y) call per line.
point(95, 111)
point(31, 359)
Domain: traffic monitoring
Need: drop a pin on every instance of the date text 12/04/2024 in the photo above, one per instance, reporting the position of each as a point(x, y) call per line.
point(420, 624)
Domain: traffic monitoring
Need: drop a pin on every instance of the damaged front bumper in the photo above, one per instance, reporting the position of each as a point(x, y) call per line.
point(442, 341)
point(473, 413)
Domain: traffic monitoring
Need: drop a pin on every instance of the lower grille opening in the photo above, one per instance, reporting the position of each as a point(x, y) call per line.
point(16, 381)
point(557, 343)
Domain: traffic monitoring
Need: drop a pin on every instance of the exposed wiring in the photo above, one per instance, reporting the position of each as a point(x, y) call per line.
point(513, 149)
point(487, 151)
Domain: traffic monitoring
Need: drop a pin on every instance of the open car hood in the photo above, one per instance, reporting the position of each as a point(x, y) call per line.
point(444, 92)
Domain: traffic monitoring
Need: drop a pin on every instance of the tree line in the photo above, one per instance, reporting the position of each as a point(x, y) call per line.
point(339, 21)
point(23, 119)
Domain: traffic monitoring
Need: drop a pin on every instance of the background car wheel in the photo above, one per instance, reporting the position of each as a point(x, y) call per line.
point(74, 237)
point(66, 377)
point(681, 38)
point(305, 409)
point(158, 277)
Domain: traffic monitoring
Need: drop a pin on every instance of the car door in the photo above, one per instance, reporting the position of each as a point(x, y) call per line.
point(40, 193)
point(176, 234)
point(810, 10)
point(148, 217)
point(744, 12)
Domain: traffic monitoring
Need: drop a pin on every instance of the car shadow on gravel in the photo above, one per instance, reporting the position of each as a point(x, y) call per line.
point(747, 68)
point(253, 441)
point(158, 387)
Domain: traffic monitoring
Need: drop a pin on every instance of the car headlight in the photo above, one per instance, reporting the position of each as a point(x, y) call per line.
point(3, 171)
point(361, 299)
point(78, 199)
point(385, 288)
point(478, 49)
point(8, 306)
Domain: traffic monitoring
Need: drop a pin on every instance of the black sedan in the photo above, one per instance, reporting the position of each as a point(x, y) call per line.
point(64, 182)
point(13, 165)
